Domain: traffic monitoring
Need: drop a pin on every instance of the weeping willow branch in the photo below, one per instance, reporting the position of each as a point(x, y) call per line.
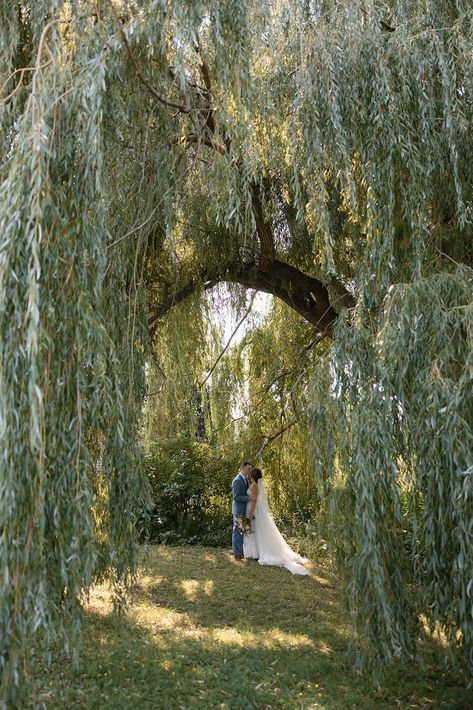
point(282, 411)
point(272, 437)
point(281, 375)
point(296, 367)
point(182, 108)
point(22, 71)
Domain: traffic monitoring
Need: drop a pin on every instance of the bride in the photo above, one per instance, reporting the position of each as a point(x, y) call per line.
point(265, 543)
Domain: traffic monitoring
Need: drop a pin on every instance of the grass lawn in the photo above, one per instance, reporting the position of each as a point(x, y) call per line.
point(204, 631)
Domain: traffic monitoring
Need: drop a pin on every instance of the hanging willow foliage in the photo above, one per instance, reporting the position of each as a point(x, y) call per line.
point(393, 126)
point(402, 408)
point(78, 213)
point(320, 151)
point(67, 336)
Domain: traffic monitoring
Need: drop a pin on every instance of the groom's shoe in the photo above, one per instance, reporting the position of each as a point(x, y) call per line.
point(239, 557)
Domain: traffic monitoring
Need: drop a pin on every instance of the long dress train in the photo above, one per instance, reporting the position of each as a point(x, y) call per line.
point(265, 543)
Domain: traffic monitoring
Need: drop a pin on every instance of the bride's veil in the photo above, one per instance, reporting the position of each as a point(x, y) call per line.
point(273, 549)
point(262, 494)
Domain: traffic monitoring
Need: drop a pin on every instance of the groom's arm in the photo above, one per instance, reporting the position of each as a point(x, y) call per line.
point(237, 491)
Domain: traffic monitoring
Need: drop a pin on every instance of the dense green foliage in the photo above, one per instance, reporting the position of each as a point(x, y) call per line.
point(316, 150)
point(189, 487)
point(255, 405)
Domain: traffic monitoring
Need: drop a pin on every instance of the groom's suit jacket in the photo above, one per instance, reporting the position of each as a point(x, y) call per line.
point(240, 496)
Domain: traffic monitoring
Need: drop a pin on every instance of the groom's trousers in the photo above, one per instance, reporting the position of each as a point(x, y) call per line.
point(237, 539)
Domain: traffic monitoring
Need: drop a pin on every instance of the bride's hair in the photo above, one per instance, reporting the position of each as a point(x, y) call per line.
point(256, 474)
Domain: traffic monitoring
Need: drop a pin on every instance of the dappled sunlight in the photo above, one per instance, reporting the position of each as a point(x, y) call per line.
point(193, 587)
point(270, 639)
point(100, 599)
point(190, 607)
point(436, 634)
point(158, 617)
point(198, 633)
point(145, 580)
point(324, 648)
point(323, 581)
point(209, 557)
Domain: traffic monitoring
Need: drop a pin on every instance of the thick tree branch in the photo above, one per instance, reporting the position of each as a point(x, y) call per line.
point(263, 227)
point(207, 92)
point(193, 286)
point(202, 139)
point(306, 295)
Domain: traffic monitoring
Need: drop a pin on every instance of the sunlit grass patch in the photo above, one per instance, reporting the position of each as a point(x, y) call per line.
point(202, 632)
point(193, 587)
point(249, 639)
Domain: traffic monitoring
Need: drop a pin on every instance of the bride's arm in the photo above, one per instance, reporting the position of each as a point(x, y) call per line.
point(253, 491)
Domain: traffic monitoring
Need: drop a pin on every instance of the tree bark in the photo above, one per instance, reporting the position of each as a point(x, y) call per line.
point(264, 231)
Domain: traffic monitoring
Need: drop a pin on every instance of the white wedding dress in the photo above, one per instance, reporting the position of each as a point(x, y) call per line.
point(265, 543)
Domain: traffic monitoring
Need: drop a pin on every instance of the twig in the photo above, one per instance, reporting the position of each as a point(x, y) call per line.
point(269, 439)
point(244, 317)
point(21, 71)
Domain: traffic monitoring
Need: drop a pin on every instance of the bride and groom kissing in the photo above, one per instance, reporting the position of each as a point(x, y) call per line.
point(255, 534)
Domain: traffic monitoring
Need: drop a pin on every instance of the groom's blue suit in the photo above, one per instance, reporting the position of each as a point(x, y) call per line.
point(240, 499)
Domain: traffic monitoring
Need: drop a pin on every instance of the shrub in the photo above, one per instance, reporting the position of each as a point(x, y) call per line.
point(191, 493)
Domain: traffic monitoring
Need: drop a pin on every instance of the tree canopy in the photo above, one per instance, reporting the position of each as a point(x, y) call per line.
point(316, 150)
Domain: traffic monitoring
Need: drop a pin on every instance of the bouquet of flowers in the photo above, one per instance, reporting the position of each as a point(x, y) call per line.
point(244, 524)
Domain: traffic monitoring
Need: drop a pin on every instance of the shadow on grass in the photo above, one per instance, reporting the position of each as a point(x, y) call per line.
point(206, 632)
point(215, 591)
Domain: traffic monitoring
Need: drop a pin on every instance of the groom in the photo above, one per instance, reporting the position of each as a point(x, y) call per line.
point(240, 499)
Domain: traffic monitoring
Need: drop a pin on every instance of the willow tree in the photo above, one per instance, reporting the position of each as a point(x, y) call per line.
point(319, 151)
